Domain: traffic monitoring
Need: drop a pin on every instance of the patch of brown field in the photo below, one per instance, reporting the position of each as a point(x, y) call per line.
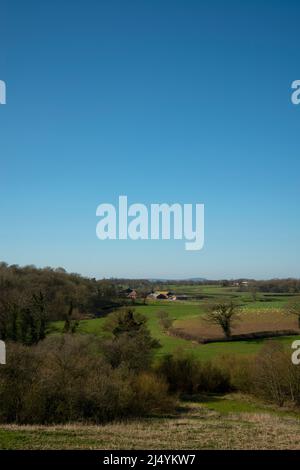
point(197, 428)
point(247, 322)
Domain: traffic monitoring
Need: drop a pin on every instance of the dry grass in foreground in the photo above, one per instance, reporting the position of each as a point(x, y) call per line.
point(196, 427)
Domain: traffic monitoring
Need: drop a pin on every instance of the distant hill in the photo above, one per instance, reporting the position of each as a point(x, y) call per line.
point(192, 279)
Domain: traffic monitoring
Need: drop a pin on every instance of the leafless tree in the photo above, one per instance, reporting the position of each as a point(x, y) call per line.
point(222, 314)
point(293, 308)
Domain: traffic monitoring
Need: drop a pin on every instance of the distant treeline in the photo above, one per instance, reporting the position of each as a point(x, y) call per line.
point(291, 286)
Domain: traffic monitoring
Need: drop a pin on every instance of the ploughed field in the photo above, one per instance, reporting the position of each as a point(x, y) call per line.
point(248, 321)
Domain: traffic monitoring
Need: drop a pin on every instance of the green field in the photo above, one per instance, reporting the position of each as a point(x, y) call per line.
point(181, 310)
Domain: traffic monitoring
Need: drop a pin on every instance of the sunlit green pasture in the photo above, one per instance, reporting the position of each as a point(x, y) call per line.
point(179, 310)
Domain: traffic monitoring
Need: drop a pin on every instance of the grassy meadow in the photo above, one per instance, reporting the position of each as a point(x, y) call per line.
point(213, 422)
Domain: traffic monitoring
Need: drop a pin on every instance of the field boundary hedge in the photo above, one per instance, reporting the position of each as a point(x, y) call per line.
point(222, 339)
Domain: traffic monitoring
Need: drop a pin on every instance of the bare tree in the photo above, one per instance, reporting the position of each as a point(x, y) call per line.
point(164, 320)
point(143, 294)
point(293, 308)
point(222, 314)
point(253, 292)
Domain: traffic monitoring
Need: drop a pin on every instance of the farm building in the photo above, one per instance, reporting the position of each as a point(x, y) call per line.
point(129, 293)
point(132, 295)
point(162, 295)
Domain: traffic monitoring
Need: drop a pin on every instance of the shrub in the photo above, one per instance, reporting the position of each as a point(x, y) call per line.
point(16, 381)
point(131, 344)
point(186, 374)
point(164, 320)
point(66, 379)
point(151, 394)
point(270, 373)
point(240, 371)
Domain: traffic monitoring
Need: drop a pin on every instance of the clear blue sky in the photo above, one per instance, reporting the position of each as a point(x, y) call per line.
point(164, 101)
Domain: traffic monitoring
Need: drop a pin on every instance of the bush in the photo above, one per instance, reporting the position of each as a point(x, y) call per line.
point(65, 379)
point(186, 374)
point(151, 394)
point(269, 375)
point(17, 379)
point(240, 371)
point(164, 320)
point(131, 344)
